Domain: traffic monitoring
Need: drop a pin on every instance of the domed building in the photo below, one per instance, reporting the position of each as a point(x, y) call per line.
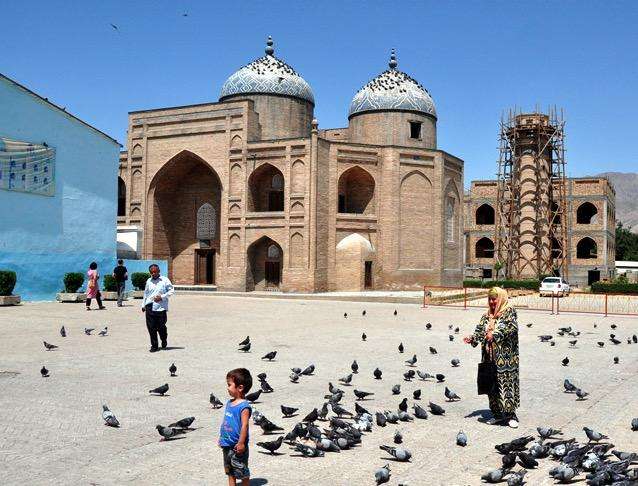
point(249, 193)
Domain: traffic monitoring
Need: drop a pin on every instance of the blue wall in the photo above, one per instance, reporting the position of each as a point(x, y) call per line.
point(142, 266)
point(41, 237)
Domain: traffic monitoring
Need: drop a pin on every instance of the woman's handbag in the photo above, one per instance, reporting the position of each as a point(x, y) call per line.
point(486, 378)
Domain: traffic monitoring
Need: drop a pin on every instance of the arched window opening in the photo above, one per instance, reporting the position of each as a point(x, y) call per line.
point(586, 213)
point(356, 192)
point(485, 214)
point(266, 189)
point(586, 249)
point(449, 220)
point(121, 197)
point(206, 222)
point(484, 248)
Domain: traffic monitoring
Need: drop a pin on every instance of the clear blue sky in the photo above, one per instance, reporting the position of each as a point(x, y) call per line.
point(475, 58)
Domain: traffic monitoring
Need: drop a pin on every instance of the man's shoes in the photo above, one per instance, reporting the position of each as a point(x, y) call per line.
point(88, 308)
point(164, 344)
point(153, 350)
point(102, 308)
point(513, 423)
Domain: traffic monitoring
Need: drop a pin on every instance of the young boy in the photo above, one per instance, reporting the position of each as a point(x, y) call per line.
point(233, 434)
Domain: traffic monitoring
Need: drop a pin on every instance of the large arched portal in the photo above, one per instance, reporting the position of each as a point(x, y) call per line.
point(185, 200)
point(265, 265)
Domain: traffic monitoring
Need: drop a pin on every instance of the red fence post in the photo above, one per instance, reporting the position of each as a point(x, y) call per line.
point(552, 297)
point(465, 298)
point(605, 305)
point(557, 305)
point(424, 296)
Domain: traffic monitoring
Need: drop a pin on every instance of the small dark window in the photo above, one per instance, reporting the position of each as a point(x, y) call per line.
point(342, 203)
point(487, 273)
point(415, 130)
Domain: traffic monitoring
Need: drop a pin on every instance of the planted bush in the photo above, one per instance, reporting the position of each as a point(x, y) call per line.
point(7, 281)
point(138, 279)
point(473, 283)
point(506, 284)
point(614, 288)
point(73, 281)
point(110, 284)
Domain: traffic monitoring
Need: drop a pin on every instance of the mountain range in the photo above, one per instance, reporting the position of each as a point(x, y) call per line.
point(626, 185)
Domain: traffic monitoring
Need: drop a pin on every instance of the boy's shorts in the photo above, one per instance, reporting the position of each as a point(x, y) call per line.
point(236, 465)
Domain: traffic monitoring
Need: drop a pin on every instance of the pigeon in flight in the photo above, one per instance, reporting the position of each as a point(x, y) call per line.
point(273, 445)
point(48, 346)
point(62, 332)
point(44, 372)
point(172, 369)
point(115, 27)
point(354, 367)
point(160, 390)
point(184, 423)
point(109, 417)
point(215, 402)
point(382, 475)
point(270, 356)
point(399, 453)
point(288, 411)
point(245, 341)
point(461, 439)
point(168, 433)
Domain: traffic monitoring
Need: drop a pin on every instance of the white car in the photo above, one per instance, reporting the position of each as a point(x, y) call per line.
point(554, 286)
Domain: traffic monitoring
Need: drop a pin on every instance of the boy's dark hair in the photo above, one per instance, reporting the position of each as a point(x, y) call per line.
point(93, 266)
point(153, 265)
point(120, 262)
point(241, 376)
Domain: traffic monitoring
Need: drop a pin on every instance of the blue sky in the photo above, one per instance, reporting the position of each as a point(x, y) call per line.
point(476, 59)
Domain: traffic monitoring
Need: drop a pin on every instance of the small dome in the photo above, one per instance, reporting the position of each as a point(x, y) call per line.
point(354, 242)
point(392, 90)
point(267, 75)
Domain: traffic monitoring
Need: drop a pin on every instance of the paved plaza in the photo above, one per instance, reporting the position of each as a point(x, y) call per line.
point(53, 433)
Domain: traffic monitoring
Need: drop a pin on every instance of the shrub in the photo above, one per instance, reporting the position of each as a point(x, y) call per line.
point(73, 281)
point(614, 288)
point(472, 283)
point(110, 284)
point(138, 279)
point(7, 281)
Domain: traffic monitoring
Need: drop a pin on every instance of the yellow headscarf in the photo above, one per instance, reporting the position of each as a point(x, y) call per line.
point(501, 302)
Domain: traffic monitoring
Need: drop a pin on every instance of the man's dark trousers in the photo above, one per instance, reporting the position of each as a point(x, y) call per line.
point(121, 286)
point(156, 324)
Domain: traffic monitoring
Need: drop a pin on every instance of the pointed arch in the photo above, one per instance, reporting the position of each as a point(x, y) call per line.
point(416, 210)
point(264, 267)
point(484, 214)
point(298, 184)
point(587, 249)
point(484, 248)
point(266, 187)
point(297, 250)
point(356, 192)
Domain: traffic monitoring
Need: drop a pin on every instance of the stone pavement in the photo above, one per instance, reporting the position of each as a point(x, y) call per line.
point(52, 431)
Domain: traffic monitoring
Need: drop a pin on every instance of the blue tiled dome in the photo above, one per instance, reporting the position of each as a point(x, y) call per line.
point(392, 90)
point(267, 75)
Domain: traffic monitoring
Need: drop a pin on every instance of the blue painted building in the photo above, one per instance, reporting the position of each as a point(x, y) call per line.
point(58, 200)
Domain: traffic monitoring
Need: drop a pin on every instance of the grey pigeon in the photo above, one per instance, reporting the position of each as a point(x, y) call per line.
point(451, 337)
point(104, 332)
point(564, 473)
point(527, 460)
point(493, 476)
point(381, 419)
point(377, 373)
point(333, 389)
point(450, 395)
point(565, 361)
point(268, 427)
point(327, 445)
point(440, 377)
point(399, 453)
point(396, 389)
point(392, 417)
point(309, 370)
point(508, 460)
point(88, 330)
point(270, 356)
point(346, 379)
point(403, 406)
point(592, 435)
point(461, 439)
point(547, 432)
point(172, 369)
point(271, 446)
point(436, 409)
point(581, 394)
point(411, 361)
point(382, 475)
point(168, 433)
point(323, 413)
point(254, 396)
point(455, 362)
point(358, 409)
point(457, 330)
point(625, 456)
point(288, 411)
point(433, 350)
point(408, 375)
point(569, 387)
point(634, 424)
point(160, 390)
point(404, 416)
point(296, 371)
point(215, 402)
point(265, 386)
point(516, 478)
point(294, 377)
point(245, 341)
point(424, 375)
point(420, 412)
point(416, 394)
point(398, 437)
point(312, 416)
point(48, 346)
point(62, 332)
point(109, 417)
point(308, 451)
point(340, 411)
point(184, 423)
point(362, 395)
point(44, 372)
point(245, 348)
point(546, 337)
point(354, 367)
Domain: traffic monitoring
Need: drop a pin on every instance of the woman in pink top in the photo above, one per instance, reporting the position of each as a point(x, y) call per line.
point(93, 287)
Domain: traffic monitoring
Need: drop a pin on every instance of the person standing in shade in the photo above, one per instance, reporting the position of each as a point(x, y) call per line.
point(120, 274)
point(93, 287)
point(155, 304)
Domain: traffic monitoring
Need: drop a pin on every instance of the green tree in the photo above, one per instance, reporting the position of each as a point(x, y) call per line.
point(626, 243)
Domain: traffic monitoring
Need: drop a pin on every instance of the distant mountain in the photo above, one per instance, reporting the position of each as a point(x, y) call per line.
point(626, 185)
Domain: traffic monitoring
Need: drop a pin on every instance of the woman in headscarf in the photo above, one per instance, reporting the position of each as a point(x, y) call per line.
point(497, 332)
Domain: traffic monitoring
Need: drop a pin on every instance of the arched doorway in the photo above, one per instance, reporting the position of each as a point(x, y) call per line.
point(484, 248)
point(356, 192)
point(265, 189)
point(265, 265)
point(184, 207)
point(485, 214)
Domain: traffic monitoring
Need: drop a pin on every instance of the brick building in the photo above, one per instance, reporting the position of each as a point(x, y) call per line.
point(591, 224)
point(248, 193)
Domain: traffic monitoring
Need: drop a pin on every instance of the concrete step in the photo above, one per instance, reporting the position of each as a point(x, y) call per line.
point(195, 288)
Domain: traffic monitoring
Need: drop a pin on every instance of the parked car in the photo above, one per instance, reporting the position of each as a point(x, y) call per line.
point(554, 286)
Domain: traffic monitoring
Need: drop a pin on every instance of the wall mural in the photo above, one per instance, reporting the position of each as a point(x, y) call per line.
point(27, 167)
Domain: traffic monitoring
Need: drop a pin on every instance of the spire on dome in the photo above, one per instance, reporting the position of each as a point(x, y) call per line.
point(270, 50)
point(393, 60)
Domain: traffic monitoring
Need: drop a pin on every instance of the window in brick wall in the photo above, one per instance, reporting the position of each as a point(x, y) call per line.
point(449, 220)
point(415, 130)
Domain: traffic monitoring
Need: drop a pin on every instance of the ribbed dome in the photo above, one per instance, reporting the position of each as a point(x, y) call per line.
point(392, 90)
point(267, 75)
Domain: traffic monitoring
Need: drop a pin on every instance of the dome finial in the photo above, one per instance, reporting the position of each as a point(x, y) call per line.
point(270, 50)
point(393, 60)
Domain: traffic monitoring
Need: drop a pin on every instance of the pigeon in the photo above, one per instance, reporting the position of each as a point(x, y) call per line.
point(364, 337)
point(109, 417)
point(625, 456)
point(253, 397)
point(508, 460)
point(44, 372)
point(359, 409)
point(451, 337)
point(547, 432)
point(265, 386)
point(400, 347)
point(339, 410)
point(62, 332)
point(440, 377)
point(569, 387)
point(382, 475)
point(294, 377)
point(552, 343)
point(381, 419)
point(245, 348)
point(104, 331)
point(270, 356)
point(362, 395)
point(168, 433)
point(377, 373)
point(455, 362)
point(396, 389)
point(544, 338)
point(565, 361)
point(433, 350)
point(457, 330)
point(288, 411)
point(419, 412)
point(615, 341)
point(564, 473)
point(616, 360)
point(354, 367)
point(461, 439)
point(88, 330)
point(573, 343)
point(428, 326)
point(398, 437)
point(634, 338)
point(215, 402)
point(403, 406)
point(48, 346)
point(268, 427)
point(313, 431)
point(493, 476)
point(399, 453)
point(405, 416)
point(323, 413)
point(436, 409)
point(312, 416)
point(581, 394)
point(245, 341)
point(115, 27)
point(308, 451)
point(527, 460)
point(411, 361)
point(272, 446)
point(346, 379)
point(516, 478)
point(184, 423)
point(327, 445)
point(613, 326)
point(416, 394)
point(172, 369)
point(395, 312)
point(592, 435)
point(160, 390)
point(424, 375)
point(296, 370)
point(530, 324)
point(634, 424)
point(345, 315)
point(364, 312)
point(450, 395)
point(333, 389)
point(308, 370)
point(601, 344)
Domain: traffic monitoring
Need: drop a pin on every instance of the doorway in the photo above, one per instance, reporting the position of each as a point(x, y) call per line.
point(272, 273)
point(367, 282)
point(593, 276)
point(204, 267)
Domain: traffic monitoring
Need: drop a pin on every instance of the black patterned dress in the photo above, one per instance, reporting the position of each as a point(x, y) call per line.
point(505, 351)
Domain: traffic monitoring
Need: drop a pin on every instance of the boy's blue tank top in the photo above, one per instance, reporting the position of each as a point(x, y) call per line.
point(231, 425)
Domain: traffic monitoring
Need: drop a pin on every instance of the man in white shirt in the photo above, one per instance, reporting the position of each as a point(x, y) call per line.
point(155, 304)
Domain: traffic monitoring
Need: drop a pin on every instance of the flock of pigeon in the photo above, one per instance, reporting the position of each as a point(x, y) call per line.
point(333, 427)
